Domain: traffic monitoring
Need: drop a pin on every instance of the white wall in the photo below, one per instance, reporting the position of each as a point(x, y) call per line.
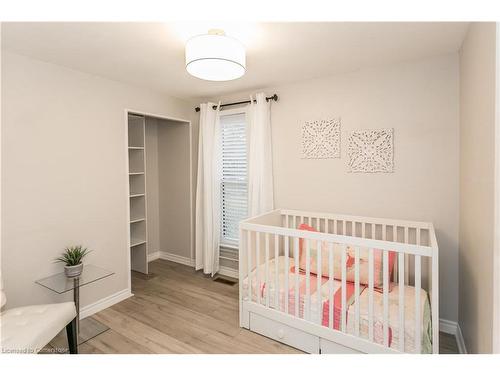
point(420, 101)
point(477, 184)
point(174, 186)
point(64, 173)
point(168, 187)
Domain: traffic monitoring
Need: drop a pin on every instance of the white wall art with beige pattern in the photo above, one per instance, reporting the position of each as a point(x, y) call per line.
point(321, 139)
point(371, 151)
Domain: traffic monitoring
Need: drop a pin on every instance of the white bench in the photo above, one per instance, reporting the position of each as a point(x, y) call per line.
point(27, 329)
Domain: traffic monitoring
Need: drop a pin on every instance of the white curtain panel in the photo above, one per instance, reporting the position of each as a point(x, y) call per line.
point(208, 191)
point(260, 157)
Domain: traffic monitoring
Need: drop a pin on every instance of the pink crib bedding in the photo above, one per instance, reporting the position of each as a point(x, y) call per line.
point(316, 308)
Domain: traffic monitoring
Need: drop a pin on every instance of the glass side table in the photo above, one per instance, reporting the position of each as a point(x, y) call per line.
point(60, 284)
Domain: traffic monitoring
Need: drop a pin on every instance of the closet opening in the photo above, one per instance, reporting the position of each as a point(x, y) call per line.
point(159, 190)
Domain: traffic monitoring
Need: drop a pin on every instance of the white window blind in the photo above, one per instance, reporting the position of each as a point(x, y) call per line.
point(234, 184)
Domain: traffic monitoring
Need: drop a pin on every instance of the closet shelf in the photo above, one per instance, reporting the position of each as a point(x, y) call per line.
point(135, 173)
point(134, 242)
point(137, 220)
point(137, 195)
point(135, 148)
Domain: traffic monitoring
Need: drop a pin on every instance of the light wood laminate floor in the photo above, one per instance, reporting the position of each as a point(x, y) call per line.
point(178, 310)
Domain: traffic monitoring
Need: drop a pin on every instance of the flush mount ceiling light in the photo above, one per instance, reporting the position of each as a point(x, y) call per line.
point(215, 57)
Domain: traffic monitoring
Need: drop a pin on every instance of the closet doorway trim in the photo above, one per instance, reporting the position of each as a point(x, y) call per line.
point(128, 111)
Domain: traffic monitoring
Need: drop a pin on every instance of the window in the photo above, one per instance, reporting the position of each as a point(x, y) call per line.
point(234, 183)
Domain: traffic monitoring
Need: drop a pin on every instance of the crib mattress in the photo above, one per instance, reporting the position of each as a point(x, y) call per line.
point(316, 309)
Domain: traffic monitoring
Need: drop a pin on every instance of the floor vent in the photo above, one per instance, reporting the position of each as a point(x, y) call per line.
point(223, 280)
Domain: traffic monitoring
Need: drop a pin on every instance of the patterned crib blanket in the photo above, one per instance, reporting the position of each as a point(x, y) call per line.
point(323, 294)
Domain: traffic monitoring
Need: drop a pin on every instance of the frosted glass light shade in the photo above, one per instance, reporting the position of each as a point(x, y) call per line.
point(215, 57)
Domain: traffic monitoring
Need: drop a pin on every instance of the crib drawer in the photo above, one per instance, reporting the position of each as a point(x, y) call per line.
point(284, 333)
point(330, 347)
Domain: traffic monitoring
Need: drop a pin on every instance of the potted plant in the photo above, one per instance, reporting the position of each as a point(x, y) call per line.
point(72, 258)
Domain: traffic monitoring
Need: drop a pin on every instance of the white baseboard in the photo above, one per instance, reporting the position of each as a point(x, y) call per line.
point(104, 303)
point(171, 257)
point(224, 271)
point(448, 326)
point(460, 341)
point(229, 272)
point(453, 328)
point(153, 256)
point(177, 258)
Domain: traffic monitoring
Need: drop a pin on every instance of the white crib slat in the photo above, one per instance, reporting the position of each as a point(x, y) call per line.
point(318, 287)
point(344, 286)
point(373, 231)
point(418, 276)
point(249, 264)
point(385, 269)
point(257, 264)
point(356, 290)
point(330, 284)
point(309, 221)
point(384, 232)
point(327, 225)
point(266, 285)
point(363, 230)
point(296, 256)
point(370, 294)
point(307, 311)
point(401, 302)
point(276, 270)
point(287, 223)
point(395, 275)
point(287, 274)
point(407, 258)
point(344, 227)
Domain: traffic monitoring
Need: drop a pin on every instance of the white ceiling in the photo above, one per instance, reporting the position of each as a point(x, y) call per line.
point(152, 54)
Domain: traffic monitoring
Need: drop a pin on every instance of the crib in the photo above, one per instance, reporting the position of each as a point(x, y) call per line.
point(340, 283)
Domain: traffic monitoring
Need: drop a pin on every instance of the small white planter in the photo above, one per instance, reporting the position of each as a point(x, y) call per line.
point(73, 271)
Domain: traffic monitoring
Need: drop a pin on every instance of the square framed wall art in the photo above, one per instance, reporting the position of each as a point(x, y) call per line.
point(371, 151)
point(321, 139)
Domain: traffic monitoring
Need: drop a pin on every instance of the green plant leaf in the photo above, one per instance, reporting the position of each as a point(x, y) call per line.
point(72, 255)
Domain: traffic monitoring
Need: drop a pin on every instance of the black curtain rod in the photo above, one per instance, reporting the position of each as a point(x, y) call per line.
point(274, 97)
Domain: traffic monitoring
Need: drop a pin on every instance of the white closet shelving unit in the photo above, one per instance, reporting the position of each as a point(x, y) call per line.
point(137, 192)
